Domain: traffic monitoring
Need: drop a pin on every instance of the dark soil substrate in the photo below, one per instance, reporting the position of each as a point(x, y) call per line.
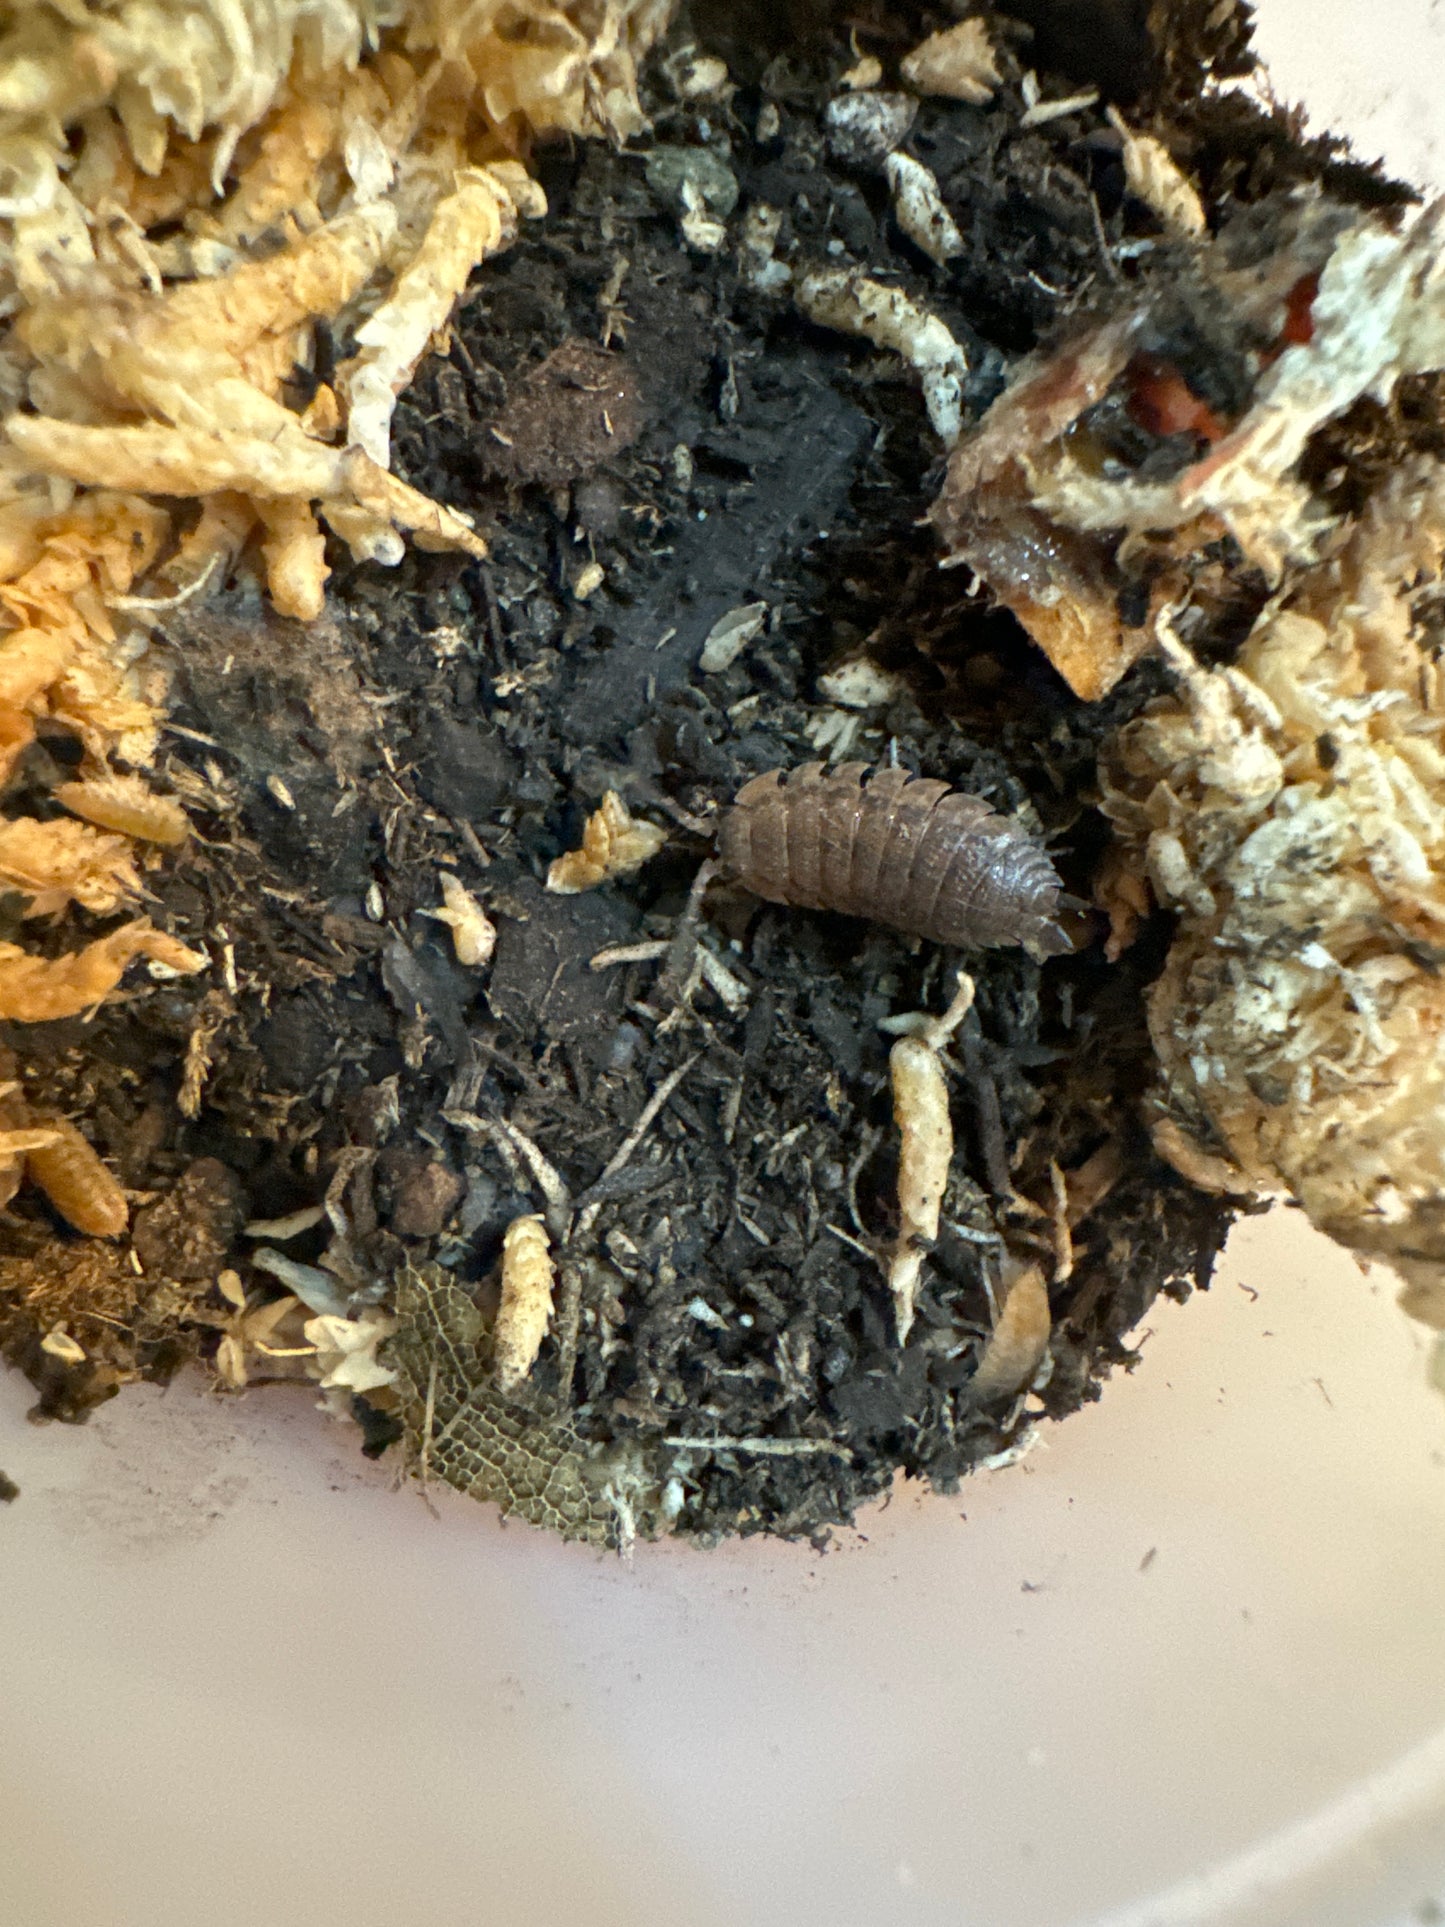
point(717, 451)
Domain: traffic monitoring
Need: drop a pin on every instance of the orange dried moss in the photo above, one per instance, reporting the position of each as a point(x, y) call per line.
point(127, 805)
point(70, 1173)
point(34, 990)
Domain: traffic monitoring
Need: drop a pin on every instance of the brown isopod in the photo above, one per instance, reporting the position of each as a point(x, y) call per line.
point(898, 849)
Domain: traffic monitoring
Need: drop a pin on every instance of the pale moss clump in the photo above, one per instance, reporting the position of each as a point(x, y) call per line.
point(1291, 808)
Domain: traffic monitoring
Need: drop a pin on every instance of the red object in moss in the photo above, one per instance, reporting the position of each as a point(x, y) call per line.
point(1299, 320)
point(1161, 401)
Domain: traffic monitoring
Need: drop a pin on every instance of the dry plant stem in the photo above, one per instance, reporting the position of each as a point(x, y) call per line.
point(761, 1448)
point(629, 953)
point(988, 1118)
point(516, 1146)
point(920, 1108)
point(568, 1325)
point(647, 1116)
point(683, 944)
point(624, 1152)
point(1063, 1239)
point(428, 1424)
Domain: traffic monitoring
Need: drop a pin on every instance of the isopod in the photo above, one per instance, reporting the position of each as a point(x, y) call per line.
point(901, 850)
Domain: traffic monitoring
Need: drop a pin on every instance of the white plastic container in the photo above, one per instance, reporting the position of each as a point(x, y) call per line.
point(1184, 1665)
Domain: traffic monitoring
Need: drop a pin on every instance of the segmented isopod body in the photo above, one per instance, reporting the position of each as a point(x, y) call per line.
point(898, 849)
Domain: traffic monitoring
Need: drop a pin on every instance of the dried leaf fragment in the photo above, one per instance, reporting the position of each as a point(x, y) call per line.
point(865, 72)
point(460, 1428)
point(526, 1308)
point(1038, 112)
point(730, 635)
point(345, 1361)
point(34, 990)
point(959, 64)
point(58, 1343)
point(1020, 1338)
point(614, 844)
point(70, 1173)
point(250, 1330)
point(1155, 177)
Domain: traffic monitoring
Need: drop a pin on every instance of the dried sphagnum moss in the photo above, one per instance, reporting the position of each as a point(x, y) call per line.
point(1292, 809)
point(614, 844)
point(1055, 525)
